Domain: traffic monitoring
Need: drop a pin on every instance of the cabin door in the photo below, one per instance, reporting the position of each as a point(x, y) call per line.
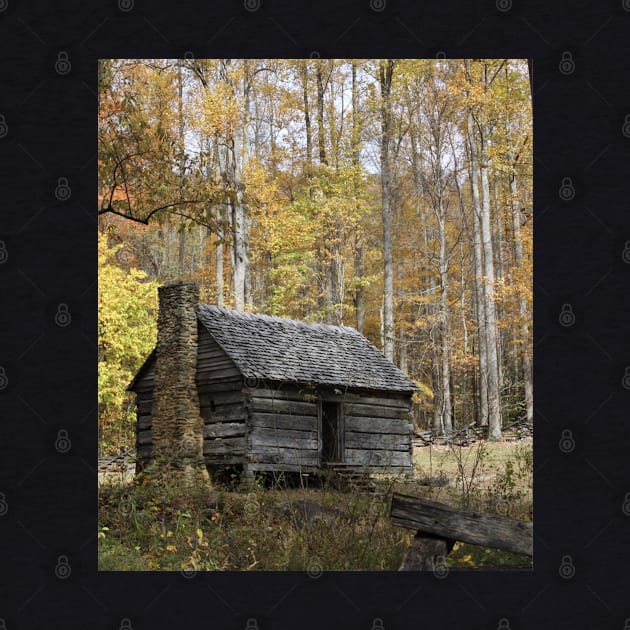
point(332, 432)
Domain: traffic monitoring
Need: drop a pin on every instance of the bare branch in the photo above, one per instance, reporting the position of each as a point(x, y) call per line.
point(145, 220)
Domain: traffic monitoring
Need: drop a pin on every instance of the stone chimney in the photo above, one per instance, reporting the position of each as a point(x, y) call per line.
point(177, 430)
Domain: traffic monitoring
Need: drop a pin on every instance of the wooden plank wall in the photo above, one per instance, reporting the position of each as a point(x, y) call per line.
point(277, 429)
point(144, 401)
point(378, 433)
point(283, 431)
point(222, 405)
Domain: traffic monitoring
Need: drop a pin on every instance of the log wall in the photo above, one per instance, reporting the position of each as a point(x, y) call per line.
point(283, 431)
point(222, 406)
point(378, 433)
point(277, 429)
point(144, 402)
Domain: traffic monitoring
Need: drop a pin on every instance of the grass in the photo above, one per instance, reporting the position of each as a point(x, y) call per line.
point(473, 556)
point(488, 477)
point(497, 454)
point(283, 528)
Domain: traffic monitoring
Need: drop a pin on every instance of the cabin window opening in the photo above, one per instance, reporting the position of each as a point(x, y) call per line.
point(332, 432)
point(213, 407)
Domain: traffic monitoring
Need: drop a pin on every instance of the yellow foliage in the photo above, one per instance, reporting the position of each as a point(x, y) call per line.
point(425, 392)
point(315, 244)
point(127, 305)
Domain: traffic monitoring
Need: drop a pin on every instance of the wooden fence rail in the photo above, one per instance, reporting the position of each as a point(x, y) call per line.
point(438, 526)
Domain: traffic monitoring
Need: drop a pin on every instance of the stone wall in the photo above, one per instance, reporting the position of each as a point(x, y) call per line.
point(177, 428)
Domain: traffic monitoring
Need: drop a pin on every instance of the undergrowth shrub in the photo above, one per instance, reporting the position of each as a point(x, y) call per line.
point(511, 490)
point(144, 527)
point(288, 522)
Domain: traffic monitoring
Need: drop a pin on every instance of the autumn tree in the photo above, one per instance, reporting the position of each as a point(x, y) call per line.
point(127, 305)
point(385, 74)
point(392, 195)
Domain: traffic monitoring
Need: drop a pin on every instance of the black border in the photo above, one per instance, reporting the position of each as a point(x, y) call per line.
point(48, 500)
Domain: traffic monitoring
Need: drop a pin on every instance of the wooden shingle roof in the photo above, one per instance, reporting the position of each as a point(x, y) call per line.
point(280, 349)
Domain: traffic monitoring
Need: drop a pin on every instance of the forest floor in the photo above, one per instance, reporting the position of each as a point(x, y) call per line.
point(310, 529)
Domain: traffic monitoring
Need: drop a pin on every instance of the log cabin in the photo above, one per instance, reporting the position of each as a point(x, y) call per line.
point(277, 394)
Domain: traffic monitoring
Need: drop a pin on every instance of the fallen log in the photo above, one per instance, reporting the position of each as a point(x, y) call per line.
point(449, 523)
point(426, 553)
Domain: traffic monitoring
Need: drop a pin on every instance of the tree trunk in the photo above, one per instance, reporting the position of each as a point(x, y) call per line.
point(400, 274)
point(382, 322)
point(240, 261)
point(182, 154)
point(497, 248)
point(171, 251)
point(237, 146)
point(335, 126)
point(307, 114)
point(522, 305)
point(181, 252)
point(359, 250)
point(359, 291)
point(479, 291)
point(524, 332)
point(327, 262)
point(438, 400)
point(329, 281)
point(320, 114)
point(220, 216)
point(445, 351)
point(386, 70)
point(402, 354)
point(219, 270)
point(462, 298)
point(494, 393)
point(464, 388)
